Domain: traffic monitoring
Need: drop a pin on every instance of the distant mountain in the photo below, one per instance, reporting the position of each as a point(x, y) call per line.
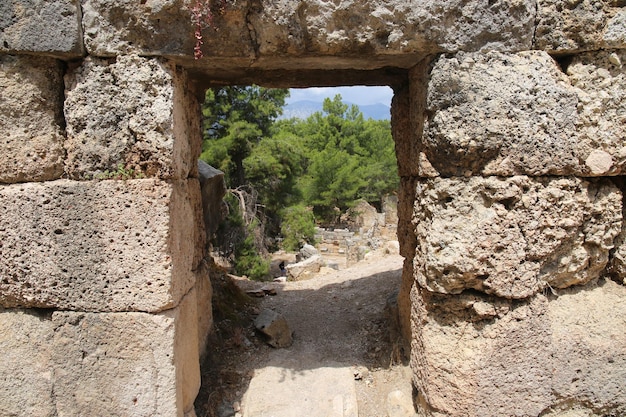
point(304, 108)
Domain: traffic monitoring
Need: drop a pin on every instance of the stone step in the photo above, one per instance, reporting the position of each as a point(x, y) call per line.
point(285, 392)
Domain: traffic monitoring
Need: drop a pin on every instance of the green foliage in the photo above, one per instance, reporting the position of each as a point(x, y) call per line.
point(248, 261)
point(238, 241)
point(273, 168)
point(349, 158)
point(323, 163)
point(297, 227)
point(235, 120)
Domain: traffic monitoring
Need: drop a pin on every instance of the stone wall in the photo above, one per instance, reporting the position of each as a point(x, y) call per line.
point(509, 121)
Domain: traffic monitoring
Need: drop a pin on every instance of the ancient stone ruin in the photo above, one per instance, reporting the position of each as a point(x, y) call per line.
point(510, 125)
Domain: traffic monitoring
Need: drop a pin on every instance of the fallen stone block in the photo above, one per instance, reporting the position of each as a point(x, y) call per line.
point(306, 252)
point(305, 269)
point(275, 328)
point(213, 190)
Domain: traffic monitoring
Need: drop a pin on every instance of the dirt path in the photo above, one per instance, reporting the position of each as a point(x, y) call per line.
point(342, 361)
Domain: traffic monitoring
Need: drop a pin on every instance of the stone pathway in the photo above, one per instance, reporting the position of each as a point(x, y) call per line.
point(320, 392)
point(340, 362)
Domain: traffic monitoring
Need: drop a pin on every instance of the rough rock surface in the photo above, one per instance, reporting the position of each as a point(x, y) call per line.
point(599, 79)
point(131, 111)
point(31, 119)
point(329, 28)
point(78, 364)
point(25, 370)
point(500, 114)
point(47, 26)
point(615, 32)
point(213, 190)
point(503, 114)
point(162, 27)
point(571, 26)
point(257, 31)
point(204, 296)
point(471, 354)
point(305, 269)
point(98, 245)
point(275, 327)
point(513, 237)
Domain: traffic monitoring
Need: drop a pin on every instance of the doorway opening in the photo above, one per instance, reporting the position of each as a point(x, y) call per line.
point(342, 314)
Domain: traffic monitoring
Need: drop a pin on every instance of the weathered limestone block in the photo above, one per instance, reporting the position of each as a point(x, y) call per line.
point(204, 294)
point(615, 32)
point(31, 119)
point(163, 27)
point(480, 356)
point(26, 368)
point(500, 114)
point(572, 26)
point(275, 327)
point(600, 82)
point(305, 269)
point(513, 237)
point(262, 30)
point(213, 191)
point(126, 363)
point(390, 209)
point(97, 364)
point(134, 112)
point(366, 218)
point(47, 26)
point(98, 245)
point(392, 27)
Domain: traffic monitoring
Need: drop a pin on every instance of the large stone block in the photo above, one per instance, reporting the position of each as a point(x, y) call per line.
point(132, 112)
point(26, 371)
point(513, 237)
point(373, 33)
point(98, 245)
point(599, 80)
point(391, 27)
point(499, 114)
point(163, 27)
point(574, 26)
point(503, 114)
point(99, 364)
point(46, 26)
point(31, 119)
point(480, 356)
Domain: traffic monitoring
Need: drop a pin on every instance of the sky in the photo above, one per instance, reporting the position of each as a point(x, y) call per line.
point(359, 95)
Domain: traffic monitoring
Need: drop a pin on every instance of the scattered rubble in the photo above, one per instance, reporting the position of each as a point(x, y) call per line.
point(275, 328)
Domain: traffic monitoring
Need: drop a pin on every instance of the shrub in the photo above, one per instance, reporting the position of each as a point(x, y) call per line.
point(248, 260)
point(297, 227)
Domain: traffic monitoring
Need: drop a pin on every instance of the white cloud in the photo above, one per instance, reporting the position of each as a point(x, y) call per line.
point(359, 95)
